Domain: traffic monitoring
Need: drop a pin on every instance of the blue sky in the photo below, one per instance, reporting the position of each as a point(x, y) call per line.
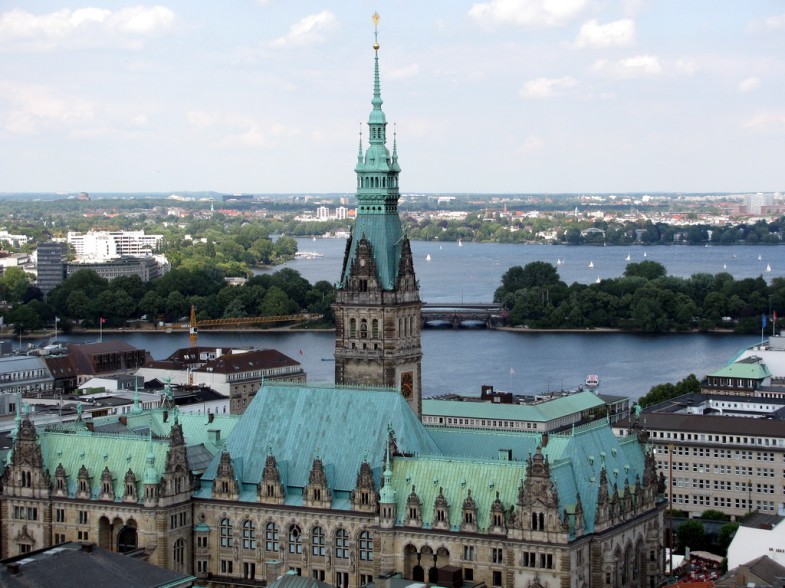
point(501, 96)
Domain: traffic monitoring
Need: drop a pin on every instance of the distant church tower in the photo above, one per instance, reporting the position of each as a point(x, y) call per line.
point(377, 307)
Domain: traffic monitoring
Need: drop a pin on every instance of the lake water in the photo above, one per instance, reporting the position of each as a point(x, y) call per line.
point(523, 362)
point(473, 271)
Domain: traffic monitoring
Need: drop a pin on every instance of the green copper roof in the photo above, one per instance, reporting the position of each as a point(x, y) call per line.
point(455, 478)
point(576, 457)
point(297, 421)
point(377, 195)
point(542, 412)
point(751, 371)
point(97, 451)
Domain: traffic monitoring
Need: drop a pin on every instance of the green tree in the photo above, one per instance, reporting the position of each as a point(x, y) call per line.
point(650, 270)
point(691, 534)
point(726, 534)
point(713, 515)
point(151, 304)
point(276, 302)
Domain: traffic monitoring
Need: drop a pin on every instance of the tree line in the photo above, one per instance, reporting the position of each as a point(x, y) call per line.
point(645, 299)
point(85, 298)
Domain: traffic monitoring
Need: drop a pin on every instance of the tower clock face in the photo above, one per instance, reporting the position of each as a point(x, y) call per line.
point(407, 384)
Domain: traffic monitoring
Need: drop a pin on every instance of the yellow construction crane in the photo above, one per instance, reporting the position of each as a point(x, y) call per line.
point(194, 325)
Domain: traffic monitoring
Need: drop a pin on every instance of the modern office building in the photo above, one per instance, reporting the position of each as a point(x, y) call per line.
point(51, 263)
point(147, 268)
point(103, 245)
point(719, 452)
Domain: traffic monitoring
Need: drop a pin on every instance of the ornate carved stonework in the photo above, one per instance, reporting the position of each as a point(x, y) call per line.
point(413, 509)
point(364, 497)
point(225, 484)
point(469, 514)
point(441, 512)
point(317, 492)
point(270, 490)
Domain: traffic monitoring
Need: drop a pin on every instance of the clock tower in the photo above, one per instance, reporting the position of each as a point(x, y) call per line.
point(377, 307)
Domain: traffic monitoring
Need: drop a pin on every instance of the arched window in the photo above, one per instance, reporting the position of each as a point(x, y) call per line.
point(225, 532)
point(249, 535)
point(375, 328)
point(363, 329)
point(342, 544)
point(178, 553)
point(271, 539)
point(317, 541)
point(295, 539)
point(366, 546)
point(352, 327)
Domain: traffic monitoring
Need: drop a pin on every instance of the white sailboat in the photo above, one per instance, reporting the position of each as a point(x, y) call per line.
point(768, 267)
point(644, 254)
point(627, 258)
point(428, 257)
point(724, 266)
point(460, 243)
point(591, 263)
point(759, 257)
point(597, 281)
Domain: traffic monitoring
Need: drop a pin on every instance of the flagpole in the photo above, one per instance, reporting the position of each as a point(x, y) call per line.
point(101, 329)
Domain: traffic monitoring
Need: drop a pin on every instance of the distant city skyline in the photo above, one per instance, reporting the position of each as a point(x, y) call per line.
point(505, 96)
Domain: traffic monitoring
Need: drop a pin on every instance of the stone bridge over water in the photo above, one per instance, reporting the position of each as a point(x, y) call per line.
point(463, 314)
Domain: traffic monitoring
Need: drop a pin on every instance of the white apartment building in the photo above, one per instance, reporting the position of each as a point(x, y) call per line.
point(103, 245)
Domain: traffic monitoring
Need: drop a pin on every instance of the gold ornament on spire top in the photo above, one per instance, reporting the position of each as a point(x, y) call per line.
point(375, 18)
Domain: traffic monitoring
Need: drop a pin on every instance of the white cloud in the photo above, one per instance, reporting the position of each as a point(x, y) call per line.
point(619, 33)
point(767, 122)
point(546, 87)
point(531, 144)
point(32, 109)
point(638, 66)
point(199, 119)
point(774, 22)
point(686, 66)
point(749, 85)
point(549, 13)
point(402, 73)
point(84, 27)
point(307, 31)
point(256, 134)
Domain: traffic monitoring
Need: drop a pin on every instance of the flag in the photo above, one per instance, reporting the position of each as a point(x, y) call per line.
point(102, 320)
point(512, 371)
point(301, 351)
point(763, 318)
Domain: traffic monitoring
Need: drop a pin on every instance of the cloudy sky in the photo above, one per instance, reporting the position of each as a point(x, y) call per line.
point(267, 96)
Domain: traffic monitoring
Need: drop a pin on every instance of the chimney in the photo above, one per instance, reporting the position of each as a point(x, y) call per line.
point(123, 420)
point(210, 417)
point(88, 547)
point(13, 568)
point(545, 439)
point(90, 426)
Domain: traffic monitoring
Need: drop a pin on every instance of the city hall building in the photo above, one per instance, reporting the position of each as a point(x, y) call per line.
point(344, 483)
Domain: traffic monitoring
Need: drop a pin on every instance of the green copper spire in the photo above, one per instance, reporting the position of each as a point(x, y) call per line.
point(377, 191)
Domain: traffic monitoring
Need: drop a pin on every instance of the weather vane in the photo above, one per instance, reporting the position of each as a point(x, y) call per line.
point(375, 18)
